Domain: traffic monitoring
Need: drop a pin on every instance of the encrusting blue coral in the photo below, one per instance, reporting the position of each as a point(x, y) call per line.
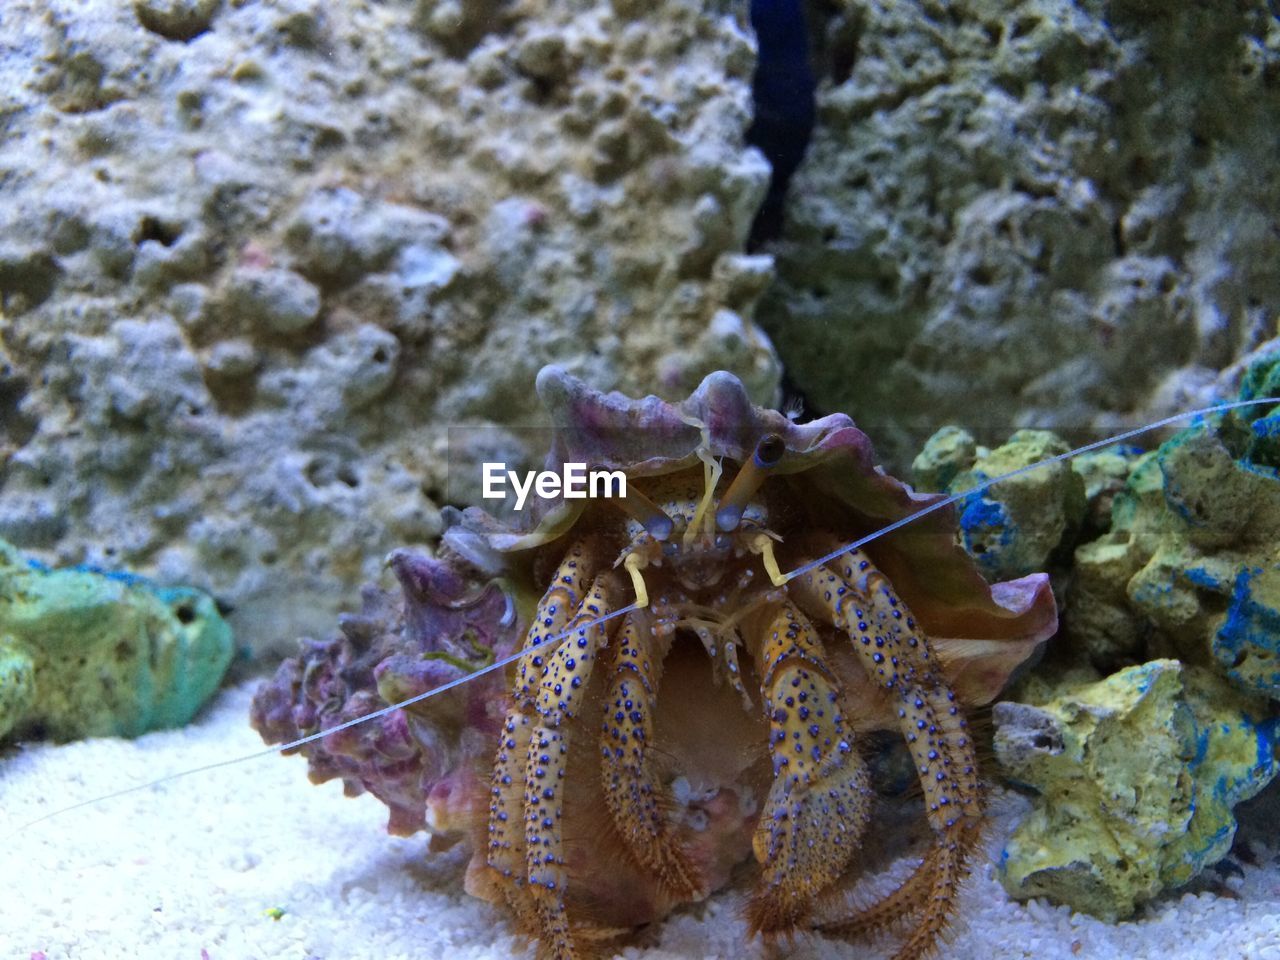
point(1246, 644)
point(1013, 528)
point(1182, 596)
point(1191, 565)
point(86, 653)
point(1180, 593)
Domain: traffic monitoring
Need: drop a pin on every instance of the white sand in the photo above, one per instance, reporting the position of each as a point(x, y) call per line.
point(189, 869)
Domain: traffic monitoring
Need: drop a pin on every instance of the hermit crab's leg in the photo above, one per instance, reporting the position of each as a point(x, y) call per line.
point(819, 803)
point(857, 598)
point(506, 854)
point(731, 644)
point(836, 913)
point(634, 798)
point(711, 635)
point(565, 675)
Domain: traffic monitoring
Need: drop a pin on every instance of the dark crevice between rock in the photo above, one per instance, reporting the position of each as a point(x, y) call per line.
point(782, 91)
point(16, 427)
point(27, 279)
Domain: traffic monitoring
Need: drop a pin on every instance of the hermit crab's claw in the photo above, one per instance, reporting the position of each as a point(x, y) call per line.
point(820, 800)
point(637, 802)
point(857, 599)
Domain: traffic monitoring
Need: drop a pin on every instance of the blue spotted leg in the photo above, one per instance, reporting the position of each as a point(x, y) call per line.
point(524, 858)
point(637, 803)
point(565, 674)
point(855, 597)
point(820, 799)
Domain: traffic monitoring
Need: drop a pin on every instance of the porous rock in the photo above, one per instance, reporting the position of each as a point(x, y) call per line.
point(944, 456)
point(259, 257)
point(1136, 777)
point(1040, 213)
point(1013, 527)
point(1190, 567)
point(86, 654)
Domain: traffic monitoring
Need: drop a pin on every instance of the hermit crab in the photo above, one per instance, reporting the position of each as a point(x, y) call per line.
point(704, 658)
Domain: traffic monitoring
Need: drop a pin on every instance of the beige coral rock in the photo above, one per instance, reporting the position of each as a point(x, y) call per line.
point(1041, 213)
point(259, 258)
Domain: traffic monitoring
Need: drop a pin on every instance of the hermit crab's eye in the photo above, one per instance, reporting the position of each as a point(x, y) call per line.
point(753, 473)
point(636, 505)
point(769, 451)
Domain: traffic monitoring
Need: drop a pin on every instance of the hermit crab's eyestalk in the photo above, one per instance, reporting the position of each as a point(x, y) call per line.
point(767, 455)
point(643, 510)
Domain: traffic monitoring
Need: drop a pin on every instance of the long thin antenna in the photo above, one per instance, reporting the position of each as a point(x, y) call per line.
point(799, 571)
point(292, 744)
point(1057, 458)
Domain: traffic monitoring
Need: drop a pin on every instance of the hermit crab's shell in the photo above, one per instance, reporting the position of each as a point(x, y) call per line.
point(983, 631)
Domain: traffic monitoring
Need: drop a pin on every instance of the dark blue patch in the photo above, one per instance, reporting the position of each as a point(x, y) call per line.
point(987, 531)
point(1200, 577)
point(783, 94)
point(1268, 732)
point(1266, 428)
point(1249, 638)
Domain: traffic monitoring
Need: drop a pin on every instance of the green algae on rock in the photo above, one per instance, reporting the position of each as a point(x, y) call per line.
point(85, 653)
point(1191, 566)
point(1137, 776)
point(944, 456)
point(1012, 528)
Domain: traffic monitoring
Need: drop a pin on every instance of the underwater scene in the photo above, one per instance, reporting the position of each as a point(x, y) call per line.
point(571, 479)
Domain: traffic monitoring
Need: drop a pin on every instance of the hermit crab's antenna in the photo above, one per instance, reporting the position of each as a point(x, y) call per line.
point(711, 471)
point(767, 455)
point(783, 578)
point(302, 741)
point(775, 574)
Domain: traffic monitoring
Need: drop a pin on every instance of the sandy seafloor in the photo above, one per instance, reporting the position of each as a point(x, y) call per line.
point(189, 870)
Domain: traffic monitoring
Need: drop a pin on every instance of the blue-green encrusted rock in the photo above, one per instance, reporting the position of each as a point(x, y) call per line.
point(1010, 529)
point(1246, 645)
point(1191, 566)
point(1136, 778)
point(83, 653)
